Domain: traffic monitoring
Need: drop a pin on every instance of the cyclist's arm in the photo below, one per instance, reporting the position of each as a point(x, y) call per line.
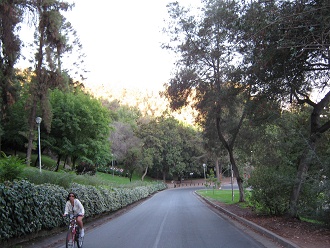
point(66, 210)
point(81, 208)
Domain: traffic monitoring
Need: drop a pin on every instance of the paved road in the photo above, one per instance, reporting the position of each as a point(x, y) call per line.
point(174, 218)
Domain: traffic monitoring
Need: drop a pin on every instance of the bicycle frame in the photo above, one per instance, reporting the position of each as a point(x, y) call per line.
point(73, 236)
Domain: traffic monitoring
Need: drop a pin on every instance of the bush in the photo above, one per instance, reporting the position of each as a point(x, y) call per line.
point(11, 167)
point(271, 189)
point(111, 170)
point(86, 168)
point(28, 208)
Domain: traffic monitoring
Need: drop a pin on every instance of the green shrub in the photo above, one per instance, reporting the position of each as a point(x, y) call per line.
point(63, 179)
point(271, 189)
point(11, 167)
point(28, 208)
point(109, 170)
point(85, 168)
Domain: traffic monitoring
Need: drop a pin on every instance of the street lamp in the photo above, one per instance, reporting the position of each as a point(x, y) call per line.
point(191, 174)
point(38, 121)
point(204, 166)
point(232, 183)
point(113, 174)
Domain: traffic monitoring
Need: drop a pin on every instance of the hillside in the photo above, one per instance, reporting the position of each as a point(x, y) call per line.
point(148, 101)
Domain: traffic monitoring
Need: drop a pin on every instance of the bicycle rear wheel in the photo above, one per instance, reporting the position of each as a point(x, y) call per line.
point(69, 239)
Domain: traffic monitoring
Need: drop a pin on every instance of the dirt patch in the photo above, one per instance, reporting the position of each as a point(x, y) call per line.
point(305, 235)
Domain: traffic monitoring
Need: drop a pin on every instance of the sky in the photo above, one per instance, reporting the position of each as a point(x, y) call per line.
point(122, 41)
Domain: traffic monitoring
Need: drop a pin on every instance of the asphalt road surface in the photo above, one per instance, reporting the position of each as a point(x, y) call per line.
point(174, 218)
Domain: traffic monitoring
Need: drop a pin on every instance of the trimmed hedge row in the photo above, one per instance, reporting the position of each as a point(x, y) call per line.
point(28, 208)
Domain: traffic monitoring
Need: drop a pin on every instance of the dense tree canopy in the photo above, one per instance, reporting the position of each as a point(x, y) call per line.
point(236, 55)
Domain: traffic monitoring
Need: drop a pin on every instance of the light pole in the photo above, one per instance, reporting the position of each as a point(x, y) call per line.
point(204, 166)
point(232, 183)
point(191, 174)
point(38, 121)
point(113, 174)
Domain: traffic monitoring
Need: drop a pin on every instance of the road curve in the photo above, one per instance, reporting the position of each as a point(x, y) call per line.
point(174, 218)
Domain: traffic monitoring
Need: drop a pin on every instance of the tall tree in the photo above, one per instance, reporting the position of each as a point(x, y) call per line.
point(126, 145)
point(207, 45)
point(50, 45)
point(289, 60)
point(80, 128)
point(11, 13)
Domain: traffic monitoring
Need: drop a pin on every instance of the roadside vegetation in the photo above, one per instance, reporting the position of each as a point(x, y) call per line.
point(256, 75)
point(224, 196)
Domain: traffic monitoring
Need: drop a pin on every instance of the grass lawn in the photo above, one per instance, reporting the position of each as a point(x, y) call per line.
point(120, 180)
point(220, 195)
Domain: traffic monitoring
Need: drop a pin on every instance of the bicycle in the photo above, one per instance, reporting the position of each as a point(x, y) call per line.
point(73, 235)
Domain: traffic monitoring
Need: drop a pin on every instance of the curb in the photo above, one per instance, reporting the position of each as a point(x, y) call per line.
point(269, 234)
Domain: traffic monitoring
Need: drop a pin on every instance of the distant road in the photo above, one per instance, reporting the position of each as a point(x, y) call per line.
point(174, 218)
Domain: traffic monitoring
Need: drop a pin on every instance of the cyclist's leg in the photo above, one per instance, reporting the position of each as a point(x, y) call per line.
point(81, 225)
point(80, 222)
point(79, 238)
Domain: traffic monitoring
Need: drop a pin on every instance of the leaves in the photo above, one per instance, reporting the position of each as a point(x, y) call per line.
point(27, 208)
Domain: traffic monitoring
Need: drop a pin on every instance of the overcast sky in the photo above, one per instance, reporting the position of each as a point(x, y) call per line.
point(121, 40)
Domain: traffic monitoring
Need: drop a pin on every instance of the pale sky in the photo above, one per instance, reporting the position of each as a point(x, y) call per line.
point(121, 40)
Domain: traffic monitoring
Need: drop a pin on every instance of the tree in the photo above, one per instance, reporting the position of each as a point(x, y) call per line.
point(80, 128)
point(151, 144)
point(11, 13)
point(132, 160)
point(289, 60)
point(192, 150)
point(50, 46)
point(171, 146)
point(207, 70)
point(126, 146)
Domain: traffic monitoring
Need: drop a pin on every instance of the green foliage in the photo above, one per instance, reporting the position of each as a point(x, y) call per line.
point(212, 181)
point(27, 208)
point(271, 189)
point(224, 196)
point(10, 167)
point(85, 168)
point(109, 170)
point(80, 127)
point(63, 179)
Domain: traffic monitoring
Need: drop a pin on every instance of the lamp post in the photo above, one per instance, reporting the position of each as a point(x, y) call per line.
point(38, 121)
point(204, 166)
point(191, 174)
point(113, 174)
point(232, 183)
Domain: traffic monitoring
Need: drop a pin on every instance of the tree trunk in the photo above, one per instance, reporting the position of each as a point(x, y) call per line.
point(164, 176)
point(305, 159)
point(58, 162)
point(145, 173)
point(32, 125)
point(230, 149)
point(302, 172)
point(217, 171)
point(237, 175)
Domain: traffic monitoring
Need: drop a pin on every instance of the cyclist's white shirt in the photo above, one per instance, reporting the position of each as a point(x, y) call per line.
point(78, 208)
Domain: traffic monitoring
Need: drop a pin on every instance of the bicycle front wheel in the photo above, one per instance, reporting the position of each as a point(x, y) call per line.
point(70, 239)
point(80, 241)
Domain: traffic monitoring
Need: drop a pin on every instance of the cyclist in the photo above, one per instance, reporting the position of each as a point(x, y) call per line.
point(74, 206)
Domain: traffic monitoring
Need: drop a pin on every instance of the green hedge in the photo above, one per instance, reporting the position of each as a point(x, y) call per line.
point(28, 208)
